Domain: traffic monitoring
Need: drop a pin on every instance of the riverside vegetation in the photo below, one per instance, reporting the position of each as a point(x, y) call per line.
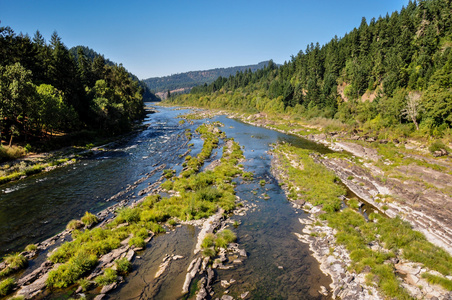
point(311, 182)
point(195, 195)
point(51, 96)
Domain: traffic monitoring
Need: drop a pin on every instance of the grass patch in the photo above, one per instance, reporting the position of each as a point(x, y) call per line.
point(6, 286)
point(107, 278)
point(434, 279)
point(89, 219)
point(70, 272)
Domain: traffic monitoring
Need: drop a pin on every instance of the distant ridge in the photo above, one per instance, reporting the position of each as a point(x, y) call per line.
point(185, 81)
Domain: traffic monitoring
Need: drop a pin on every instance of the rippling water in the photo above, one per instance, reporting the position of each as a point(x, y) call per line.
point(278, 265)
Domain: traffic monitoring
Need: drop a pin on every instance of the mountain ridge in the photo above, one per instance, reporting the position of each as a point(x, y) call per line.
point(187, 80)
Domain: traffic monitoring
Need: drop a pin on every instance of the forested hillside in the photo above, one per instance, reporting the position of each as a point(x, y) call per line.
point(394, 71)
point(45, 90)
point(195, 78)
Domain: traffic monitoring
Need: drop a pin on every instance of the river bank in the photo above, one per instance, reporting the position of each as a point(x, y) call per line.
point(400, 179)
point(125, 228)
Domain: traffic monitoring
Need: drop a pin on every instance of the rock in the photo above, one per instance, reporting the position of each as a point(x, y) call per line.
point(99, 297)
point(109, 287)
point(225, 284)
point(242, 252)
point(244, 295)
point(202, 293)
point(441, 152)
point(323, 290)
point(192, 270)
point(44, 268)
point(227, 297)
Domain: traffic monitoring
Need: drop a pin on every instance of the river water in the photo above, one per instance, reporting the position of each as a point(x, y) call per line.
point(278, 265)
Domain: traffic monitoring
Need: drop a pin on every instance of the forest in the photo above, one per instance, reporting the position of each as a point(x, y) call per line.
point(392, 72)
point(46, 90)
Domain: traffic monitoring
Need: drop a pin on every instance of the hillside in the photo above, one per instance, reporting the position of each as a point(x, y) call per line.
point(392, 72)
point(91, 55)
point(194, 78)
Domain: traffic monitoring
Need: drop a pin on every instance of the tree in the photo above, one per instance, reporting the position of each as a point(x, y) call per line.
point(413, 107)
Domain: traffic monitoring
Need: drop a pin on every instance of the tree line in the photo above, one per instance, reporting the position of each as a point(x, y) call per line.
point(45, 89)
point(394, 71)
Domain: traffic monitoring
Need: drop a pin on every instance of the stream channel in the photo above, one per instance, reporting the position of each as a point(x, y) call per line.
point(278, 265)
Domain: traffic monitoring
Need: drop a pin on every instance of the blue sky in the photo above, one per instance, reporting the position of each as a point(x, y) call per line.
point(157, 38)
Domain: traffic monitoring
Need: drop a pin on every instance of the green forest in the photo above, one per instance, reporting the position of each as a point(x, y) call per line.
point(392, 72)
point(48, 90)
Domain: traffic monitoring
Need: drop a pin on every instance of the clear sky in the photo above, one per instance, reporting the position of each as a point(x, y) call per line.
point(157, 38)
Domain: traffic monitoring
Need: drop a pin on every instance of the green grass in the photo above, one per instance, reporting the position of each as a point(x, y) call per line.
point(200, 196)
point(107, 278)
point(89, 219)
point(6, 286)
point(213, 242)
point(68, 273)
point(318, 185)
point(31, 248)
point(74, 224)
point(433, 279)
point(123, 266)
point(14, 262)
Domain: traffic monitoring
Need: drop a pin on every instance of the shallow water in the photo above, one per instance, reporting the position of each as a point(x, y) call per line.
point(278, 265)
point(40, 206)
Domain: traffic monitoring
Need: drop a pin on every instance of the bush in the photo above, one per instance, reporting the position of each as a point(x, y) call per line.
point(31, 248)
point(209, 252)
point(74, 224)
point(16, 261)
point(130, 215)
point(71, 271)
point(89, 219)
point(227, 235)
point(108, 277)
point(208, 241)
point(137, 242)
point(123, 266)
point(6, 286)
point(437, 146)
point(84, 284)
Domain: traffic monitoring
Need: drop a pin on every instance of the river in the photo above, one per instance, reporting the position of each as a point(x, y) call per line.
point(278, 265)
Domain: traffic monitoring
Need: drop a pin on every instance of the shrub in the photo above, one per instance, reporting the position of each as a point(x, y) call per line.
point(137, 242)
point(227, 235)
point(209, 252)
point(6, 286)
point(220, 242)
point(130, 215)
point(71, 271)
point(437, 146)
point(208, 241)
point(31, 248)
point(84, 284)
point(123, 266)
point(168, 173)
point(16, 261)
point(74, 224)
point(353, 203)
point(89, 219)
point(108, 277)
